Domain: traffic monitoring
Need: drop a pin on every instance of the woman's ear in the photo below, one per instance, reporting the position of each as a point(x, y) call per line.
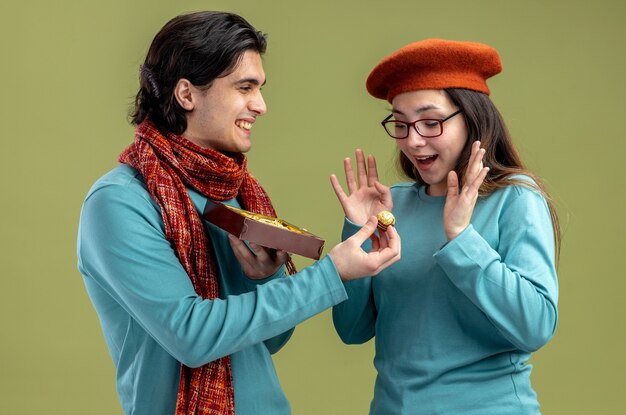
point(183, 93)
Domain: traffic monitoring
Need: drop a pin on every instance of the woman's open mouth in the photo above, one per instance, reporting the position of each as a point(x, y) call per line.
point(424, 162)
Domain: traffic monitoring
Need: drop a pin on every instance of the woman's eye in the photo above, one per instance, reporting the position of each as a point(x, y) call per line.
point(429, 123)
point(400, 127)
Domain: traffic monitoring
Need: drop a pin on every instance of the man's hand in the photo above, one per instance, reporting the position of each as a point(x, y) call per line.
point(257, 261)
point(353, 262)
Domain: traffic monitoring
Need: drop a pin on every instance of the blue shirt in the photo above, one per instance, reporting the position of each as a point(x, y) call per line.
point(455, 322)
point(153, 320)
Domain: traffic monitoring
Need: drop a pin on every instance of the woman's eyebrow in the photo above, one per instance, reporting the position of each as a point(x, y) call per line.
point(418, 110)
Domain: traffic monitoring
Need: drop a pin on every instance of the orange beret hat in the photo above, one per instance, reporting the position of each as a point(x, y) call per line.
point(434, 64)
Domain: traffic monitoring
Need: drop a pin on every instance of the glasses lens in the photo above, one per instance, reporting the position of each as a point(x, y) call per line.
point(396, 129)
point(429, 128)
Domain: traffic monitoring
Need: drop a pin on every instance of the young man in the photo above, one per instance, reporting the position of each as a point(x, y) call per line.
point(189, 313)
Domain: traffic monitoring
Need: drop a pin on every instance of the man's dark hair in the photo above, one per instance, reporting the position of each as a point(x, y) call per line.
point(199, 47)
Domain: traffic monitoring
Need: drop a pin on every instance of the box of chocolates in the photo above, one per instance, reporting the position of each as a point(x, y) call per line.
point(263, 230)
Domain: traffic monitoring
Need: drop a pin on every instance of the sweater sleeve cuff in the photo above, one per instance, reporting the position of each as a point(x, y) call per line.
point(349, 229)
point(253, 282)
point(467, 251)
point(332, 279)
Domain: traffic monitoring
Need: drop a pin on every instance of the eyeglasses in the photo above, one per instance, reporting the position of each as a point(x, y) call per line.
point(426, 127)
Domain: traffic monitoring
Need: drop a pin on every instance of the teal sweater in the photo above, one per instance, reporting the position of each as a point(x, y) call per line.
point(455, 323)
point(153, 320)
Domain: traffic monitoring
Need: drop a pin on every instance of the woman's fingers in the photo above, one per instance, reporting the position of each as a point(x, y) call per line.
point(475, 164)
point(453, 184)
point(460, 205)
point(347, 168)
point(474, 186)
point(372, 171)
point(361, 170)
point(385, 195)
point(341, 195)
point(366, 171)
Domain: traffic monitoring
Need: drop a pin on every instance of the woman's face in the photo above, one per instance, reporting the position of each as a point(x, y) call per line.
point(433, 157)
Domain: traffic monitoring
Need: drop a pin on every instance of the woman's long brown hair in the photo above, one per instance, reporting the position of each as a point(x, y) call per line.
point(485, 123)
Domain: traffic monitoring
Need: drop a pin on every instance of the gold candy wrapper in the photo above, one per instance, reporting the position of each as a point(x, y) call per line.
point(263, 230)
point(267, 219)
point(385, 219)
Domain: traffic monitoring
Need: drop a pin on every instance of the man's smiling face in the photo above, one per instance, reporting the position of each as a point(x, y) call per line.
point(223, 115)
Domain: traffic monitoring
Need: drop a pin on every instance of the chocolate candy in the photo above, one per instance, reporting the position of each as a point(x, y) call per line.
point(385, 218)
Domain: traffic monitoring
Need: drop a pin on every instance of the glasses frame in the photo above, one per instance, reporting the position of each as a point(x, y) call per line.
point(414, 125)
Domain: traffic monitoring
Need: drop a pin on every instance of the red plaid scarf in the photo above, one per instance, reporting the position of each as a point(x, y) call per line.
point(168, 164)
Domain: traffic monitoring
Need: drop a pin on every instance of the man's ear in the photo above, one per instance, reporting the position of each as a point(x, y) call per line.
point(183, 94)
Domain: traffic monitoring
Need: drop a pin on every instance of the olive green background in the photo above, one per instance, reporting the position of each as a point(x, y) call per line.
point(69, 72)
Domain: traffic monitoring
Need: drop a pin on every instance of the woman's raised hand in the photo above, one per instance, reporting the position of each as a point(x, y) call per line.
point(366, 195)
point(459, 206)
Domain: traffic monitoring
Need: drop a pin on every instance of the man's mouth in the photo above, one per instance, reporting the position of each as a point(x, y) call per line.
point(244, 124)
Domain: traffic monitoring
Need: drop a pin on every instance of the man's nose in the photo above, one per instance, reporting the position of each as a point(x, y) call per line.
point(258, 104)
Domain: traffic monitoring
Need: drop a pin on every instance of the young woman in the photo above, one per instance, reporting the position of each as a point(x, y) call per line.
point(456, 320)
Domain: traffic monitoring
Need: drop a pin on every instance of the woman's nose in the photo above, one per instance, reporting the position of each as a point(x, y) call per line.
point(415, 139)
